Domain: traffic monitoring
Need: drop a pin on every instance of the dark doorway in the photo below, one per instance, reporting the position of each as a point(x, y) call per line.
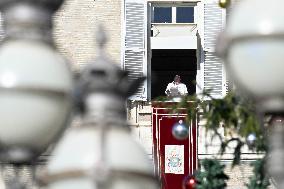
point(165, 64)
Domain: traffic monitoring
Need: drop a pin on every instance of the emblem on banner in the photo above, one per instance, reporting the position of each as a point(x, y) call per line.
point(174, 159)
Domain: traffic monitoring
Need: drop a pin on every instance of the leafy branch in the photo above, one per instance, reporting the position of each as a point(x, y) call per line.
point(237, 117)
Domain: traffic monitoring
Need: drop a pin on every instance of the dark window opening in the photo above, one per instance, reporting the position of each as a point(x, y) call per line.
point(166, 63)
point(162, 15)
point(185, 15)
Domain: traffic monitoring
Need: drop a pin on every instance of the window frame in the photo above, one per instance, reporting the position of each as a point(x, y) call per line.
point(186, 11)
point(171, 15)
point(174, 5)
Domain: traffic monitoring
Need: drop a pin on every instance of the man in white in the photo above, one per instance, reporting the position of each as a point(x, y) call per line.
point(176, 88)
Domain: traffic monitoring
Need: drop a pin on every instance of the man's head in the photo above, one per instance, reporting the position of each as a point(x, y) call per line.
point(177, 79)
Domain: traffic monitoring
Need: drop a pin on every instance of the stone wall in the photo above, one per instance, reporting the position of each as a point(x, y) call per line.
point(75, 26)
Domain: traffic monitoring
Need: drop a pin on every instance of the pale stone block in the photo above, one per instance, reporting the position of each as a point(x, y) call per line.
point(75, 25)
point(146, 138)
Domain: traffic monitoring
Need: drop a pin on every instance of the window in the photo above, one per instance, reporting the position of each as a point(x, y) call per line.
point(171, 14)
point(166, 63)
point(162, 14)
point(185, 15)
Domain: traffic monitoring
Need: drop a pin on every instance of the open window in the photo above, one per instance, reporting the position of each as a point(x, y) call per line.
point(173, 45)
point(166, 63)
point(160, 41)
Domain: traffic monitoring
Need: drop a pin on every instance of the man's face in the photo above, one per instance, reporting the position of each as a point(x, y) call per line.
point(177, 79)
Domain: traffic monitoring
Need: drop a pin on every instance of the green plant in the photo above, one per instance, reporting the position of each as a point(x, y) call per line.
point(238, 118)
point(259, 180)
point(213, 176)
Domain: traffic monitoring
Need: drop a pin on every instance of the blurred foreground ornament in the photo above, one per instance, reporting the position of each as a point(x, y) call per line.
point(224, 3)
point(35, 81)
point(253, 55)
point(256, 43)
point(101, 153)
point(275, 162)
point(180, 131)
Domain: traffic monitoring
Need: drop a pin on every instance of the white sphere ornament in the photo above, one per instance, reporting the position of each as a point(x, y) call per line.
point(180, 131)
point(252, 46)
point(82, 161)
point(35, 98)
point(101, 154)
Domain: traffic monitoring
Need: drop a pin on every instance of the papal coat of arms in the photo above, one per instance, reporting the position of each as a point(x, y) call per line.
point(174, 159)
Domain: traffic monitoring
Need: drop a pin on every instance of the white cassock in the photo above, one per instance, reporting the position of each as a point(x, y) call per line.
point(176, 90)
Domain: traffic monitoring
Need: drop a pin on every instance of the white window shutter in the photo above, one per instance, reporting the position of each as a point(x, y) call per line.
point(213, 67)
point(135, 43)
point(2, 33)
point(229, 83)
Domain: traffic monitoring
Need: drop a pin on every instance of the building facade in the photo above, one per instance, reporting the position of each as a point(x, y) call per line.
point(166, 38)
point(139, 31)
point(157, 39)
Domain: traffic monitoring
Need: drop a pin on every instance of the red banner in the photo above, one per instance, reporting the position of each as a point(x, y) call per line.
point(174, 159)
